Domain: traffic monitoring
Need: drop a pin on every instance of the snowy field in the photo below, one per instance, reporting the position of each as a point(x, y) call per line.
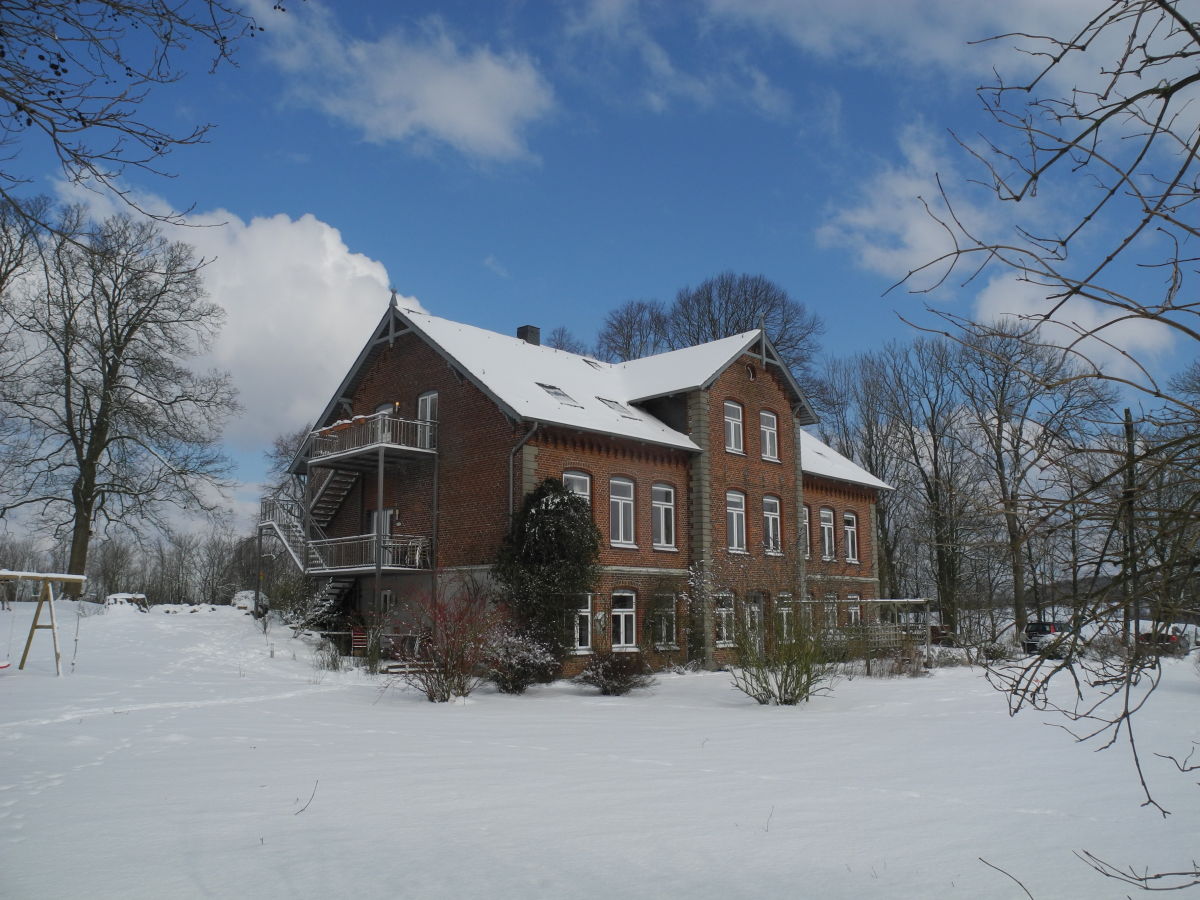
point(177, 758)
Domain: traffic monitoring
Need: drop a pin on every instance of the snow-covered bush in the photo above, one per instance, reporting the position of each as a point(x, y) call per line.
point(327, 656)
point(515, 661)
point(616, 673)
point(784, 673)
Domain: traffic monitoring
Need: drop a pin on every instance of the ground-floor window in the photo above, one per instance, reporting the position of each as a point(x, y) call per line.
point(831, 616)
point(624, 620)
point(723, 619)
point(853, 611)
point(581, 625)
point(785, 619)
point(662, 622)
point(753, 613)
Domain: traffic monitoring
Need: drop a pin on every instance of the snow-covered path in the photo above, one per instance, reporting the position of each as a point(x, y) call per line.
point(179, 759)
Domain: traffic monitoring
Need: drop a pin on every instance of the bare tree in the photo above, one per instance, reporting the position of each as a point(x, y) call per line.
point(562, 339)
point(111, 422)
point(75, 77)
point(1106, 128)
point(634, 329)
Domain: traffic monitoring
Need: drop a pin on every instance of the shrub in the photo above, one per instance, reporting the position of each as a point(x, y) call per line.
point(327, 656)
point(514, 661)
point(616, 673)
point(454, 643)
point(784, 672)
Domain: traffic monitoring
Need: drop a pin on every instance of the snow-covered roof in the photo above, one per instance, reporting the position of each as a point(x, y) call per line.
point(546, 385)
point(818, 458)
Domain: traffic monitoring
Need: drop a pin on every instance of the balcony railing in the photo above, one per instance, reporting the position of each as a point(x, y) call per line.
point(398, 551)
point(370, 431)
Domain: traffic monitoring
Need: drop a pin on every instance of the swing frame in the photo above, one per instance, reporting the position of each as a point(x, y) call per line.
point(45, 598)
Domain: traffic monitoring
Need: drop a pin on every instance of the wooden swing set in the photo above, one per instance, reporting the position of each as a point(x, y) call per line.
point(45, 599)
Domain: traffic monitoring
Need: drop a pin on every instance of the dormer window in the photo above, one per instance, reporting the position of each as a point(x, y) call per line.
point(558, 394)
point(619, 408)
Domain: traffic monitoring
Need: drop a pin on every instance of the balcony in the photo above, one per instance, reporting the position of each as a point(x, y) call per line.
point(354, 444)
point(397, 552)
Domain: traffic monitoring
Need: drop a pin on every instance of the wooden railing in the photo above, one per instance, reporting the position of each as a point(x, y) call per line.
point(369, 431)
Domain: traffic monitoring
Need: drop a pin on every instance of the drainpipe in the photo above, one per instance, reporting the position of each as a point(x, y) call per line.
point(511, 459)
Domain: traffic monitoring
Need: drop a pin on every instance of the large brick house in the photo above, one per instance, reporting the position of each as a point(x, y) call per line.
point(693, 461)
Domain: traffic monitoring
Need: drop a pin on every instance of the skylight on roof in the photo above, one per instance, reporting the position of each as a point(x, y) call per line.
point(558, 394)
point(618, 407)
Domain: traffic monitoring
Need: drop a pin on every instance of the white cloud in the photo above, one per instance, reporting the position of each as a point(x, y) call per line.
point(300, 306)
point(407, 87)
point(1108, 343)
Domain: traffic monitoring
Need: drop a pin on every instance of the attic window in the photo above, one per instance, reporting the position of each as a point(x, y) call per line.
point(558, 394)
point(616, 407)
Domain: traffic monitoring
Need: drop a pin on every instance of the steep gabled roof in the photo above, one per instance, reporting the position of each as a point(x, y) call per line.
point(541, 384)
point(818, 458)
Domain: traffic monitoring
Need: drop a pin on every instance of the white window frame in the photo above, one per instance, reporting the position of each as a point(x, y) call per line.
point(581, 626)
point(768, 433)
point(850, 536)
point(807, 533)
point(663, 631)
point(831, 611)
point(853, 610)
point(723, 620)
point(624, 620)
point(828, 547)
point(735, 521)
point(662, 516)
point(752, 616)
point(785, 617)
point(427, 415)
point(773, 525)
point(621, 513)
point(734, 442)
point(582, 486)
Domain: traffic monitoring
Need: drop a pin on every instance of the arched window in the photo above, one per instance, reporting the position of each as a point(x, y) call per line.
point(828, 550)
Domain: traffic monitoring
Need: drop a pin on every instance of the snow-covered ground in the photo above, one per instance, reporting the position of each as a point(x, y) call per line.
point(177, 758)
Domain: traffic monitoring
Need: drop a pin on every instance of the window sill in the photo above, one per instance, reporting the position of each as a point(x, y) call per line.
point(855, 561)
point(666, 646)
point(774, 459)
point(721, 645)
point(828, 559)
point(625, 649)
point(737, 552)
point(735, 452)
point(666, 548)
point(774, 553)
point(581, 651)
point(617, 546)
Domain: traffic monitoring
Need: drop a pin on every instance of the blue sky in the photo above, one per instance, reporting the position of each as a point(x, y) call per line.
point(514, 162)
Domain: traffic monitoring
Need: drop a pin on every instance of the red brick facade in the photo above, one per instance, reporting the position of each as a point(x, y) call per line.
point(462, 498)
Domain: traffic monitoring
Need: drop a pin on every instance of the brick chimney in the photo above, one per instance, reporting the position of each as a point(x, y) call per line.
point(530, 334)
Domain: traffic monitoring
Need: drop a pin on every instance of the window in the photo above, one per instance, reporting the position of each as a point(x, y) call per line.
point(580, 622)
point(850, 532)
point(827, 548)
point(733, 427)
point(752, 612)
point(579, 484)
point(785, 618)
point(385, 601)
point(427, 415)
point(853, 611)
point(768, 433)
point(624, 617)
point(723, 619)
point(772, 541)
point(735, 520)
point(807, 535)
point(662, 624)
point(616, 407)
point(662, 515)
point(558, 394)
point(831, 616)
point(620, 511)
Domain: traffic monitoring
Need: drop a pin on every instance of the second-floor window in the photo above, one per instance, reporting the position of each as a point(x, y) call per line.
point(735, 520)
point(620, 511)
point(427, 414)
point(662, 510)
point(733, 427)
point(850, 533)
point(827, 547)
point(772, 537)
point(579, 484)
point(768, 432)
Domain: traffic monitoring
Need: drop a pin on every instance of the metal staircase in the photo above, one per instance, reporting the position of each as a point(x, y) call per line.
point(330, 493)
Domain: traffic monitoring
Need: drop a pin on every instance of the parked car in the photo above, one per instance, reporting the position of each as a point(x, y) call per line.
point(1171, 641)
point(1045, 638)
